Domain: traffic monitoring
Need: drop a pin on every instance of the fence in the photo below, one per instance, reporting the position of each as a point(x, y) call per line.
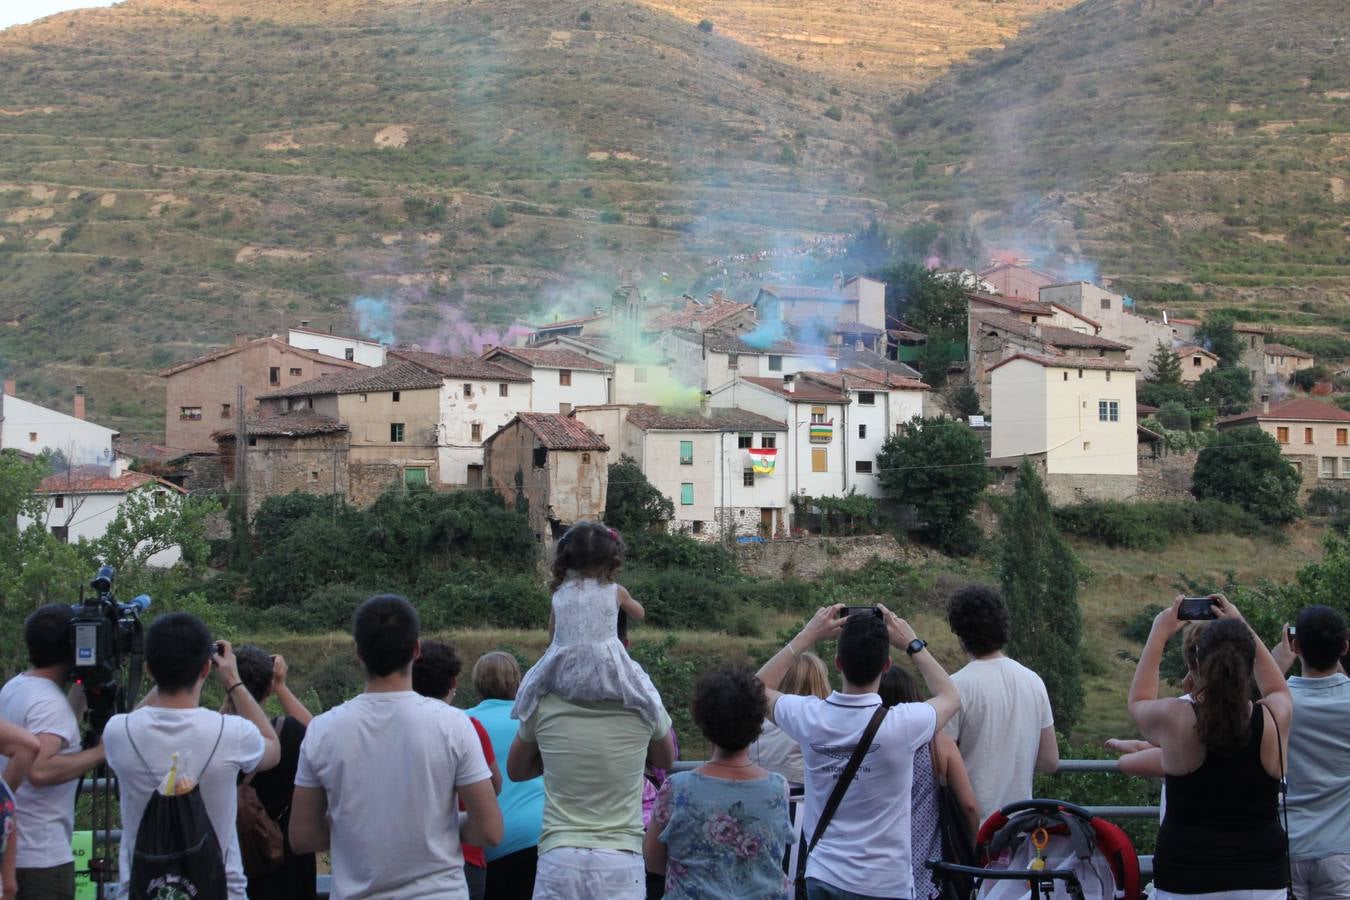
point(1081, 766)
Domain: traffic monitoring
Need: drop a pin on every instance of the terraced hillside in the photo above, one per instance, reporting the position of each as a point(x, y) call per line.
point(1160, 138)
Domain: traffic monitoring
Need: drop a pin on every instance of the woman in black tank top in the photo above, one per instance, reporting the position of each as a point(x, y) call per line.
point(1221, 832)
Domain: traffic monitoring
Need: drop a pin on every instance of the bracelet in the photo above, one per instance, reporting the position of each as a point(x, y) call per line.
point(233, 686)
point(793, 650)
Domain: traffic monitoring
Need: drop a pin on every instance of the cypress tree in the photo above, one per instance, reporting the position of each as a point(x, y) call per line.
point(1165, 365)
point(1039, 575)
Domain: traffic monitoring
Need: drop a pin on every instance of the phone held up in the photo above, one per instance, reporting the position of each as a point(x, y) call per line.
point(1197, 609)
point(859, 610)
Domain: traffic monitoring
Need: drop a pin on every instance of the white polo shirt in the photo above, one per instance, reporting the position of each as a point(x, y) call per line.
point(865, 848)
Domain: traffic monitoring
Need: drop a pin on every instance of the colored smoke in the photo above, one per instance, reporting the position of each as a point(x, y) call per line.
point(375, 319)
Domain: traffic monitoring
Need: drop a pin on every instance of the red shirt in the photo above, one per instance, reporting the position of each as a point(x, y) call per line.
point(473, 856)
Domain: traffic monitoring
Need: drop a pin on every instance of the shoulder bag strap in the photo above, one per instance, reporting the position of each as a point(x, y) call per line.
point(841, 786)
point(214, 748)
point(1284, 799)
point(126, 726)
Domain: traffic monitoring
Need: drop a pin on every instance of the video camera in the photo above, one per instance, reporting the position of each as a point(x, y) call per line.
point(106, 635)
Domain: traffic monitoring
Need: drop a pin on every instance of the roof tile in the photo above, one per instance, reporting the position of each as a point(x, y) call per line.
point(651, 418)
point(1096, 363)
point(1049, 334)
point(548, 358)
point(396, 376)
point(96, 480)
point(1297, 410)
point(557, 431)
point(459, 366)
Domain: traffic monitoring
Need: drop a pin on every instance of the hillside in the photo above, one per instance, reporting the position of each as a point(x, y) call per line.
point(1162, 138)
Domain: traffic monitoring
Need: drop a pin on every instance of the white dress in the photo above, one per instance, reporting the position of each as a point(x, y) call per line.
point(586, 660)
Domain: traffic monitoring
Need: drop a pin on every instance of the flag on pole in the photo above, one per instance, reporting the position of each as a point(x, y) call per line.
point(762, 459)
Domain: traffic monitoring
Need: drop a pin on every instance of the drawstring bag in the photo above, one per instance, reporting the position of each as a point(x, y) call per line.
point(177, 855)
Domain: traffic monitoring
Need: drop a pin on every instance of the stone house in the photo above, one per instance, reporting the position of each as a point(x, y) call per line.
point(297, 451)
point(392, 414)
point(1282, 361)
point(1141, 334)
point(857, 299)
point(717, 313)
point(1075, 416)
point(201, 395)
point(556, 463)
point(477, 398)
point(708, 360)
point(1195, 361)
point(993, 338)
point(560, 379)
point(1314, 436)
point(1015, 280)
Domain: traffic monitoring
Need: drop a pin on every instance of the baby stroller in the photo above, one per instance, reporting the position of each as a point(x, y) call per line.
point(1048, 849)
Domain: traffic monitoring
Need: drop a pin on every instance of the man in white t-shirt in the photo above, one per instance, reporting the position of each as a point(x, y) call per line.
point(1005, 729)
point(380, 776)
point(211, 748)
point(865, 850)
point(36, 700)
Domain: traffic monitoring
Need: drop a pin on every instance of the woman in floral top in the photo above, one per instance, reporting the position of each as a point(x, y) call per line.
point(721, 830)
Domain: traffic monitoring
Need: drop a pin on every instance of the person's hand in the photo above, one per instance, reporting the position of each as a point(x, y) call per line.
point(898, 630)
point(1283, 652)
point(1224, 608)
point(227, 667)
point(824, 625)
point(1168, 622)
point(279, 671)
point(11, 887)
point(1125, 746)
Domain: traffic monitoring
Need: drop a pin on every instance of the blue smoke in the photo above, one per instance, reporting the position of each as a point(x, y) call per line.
point(374, 318)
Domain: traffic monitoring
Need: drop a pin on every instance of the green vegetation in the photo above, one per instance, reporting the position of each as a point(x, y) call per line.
point(1153, 525)
point(1244, 466)
point(1164, 366)
point(937, 466)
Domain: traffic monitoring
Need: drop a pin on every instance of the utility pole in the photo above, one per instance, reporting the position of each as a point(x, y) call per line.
point(239, 503)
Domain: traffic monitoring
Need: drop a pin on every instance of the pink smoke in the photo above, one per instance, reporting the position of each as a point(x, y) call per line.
point(456, 336)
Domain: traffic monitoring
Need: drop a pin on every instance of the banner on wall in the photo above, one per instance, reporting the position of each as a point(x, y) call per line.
point(763, 459)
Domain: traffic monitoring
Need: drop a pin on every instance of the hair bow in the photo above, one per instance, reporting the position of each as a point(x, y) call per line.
point(613, 535)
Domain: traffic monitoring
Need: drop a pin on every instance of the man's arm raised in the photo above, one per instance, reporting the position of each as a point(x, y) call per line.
point(946, 700)
point(824, 625)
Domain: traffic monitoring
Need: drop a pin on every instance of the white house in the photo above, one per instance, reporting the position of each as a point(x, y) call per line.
point(562, 379)
point(707, 360)
point(477, 399)
point(367, 353)
point(638, 375)
point(83, 501)
point(817, 420)
point(857, 299)
point(1074, 415)
point(33, 429)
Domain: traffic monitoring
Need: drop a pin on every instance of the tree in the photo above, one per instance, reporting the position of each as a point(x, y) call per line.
point(937, 466)
point(1217, 332)
point(934, 362)
point(1243, 466)
point(1174, 416)
point(1307, 379)
point(922, 300)
point(1225, 390)
point(633, 504)
point(1164, 366)
point(1039, 575)
point(498, 217)
point(1155, 394)
point(964, 400)
point(142, 528)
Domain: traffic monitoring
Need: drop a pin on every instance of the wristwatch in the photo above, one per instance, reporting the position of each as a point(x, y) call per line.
point(915, 646)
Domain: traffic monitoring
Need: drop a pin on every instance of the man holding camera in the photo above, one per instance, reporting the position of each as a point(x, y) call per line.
point(1319, 755)
point(37, 700)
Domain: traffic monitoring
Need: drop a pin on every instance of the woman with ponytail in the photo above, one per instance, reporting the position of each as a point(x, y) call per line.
point(1223, 758)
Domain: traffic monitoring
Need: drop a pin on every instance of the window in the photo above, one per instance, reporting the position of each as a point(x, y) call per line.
point(415, 477)
point(768, 441)
point(866, 398)
point(224, 410)
point(1080, 373)
point(744, 441)
point(1087, 445)
point(396, 432)
point(775, 363)
point(863, 467)
point(686, 453)
point(540, 457)
point(1106, 303)
point(397, 396)
point(186, 413)
point(363, 398)
point(1108, 374)
point(32, 437)
point(295, 372)
point(820, 460)
point(476, 431)
point(748, 477)
point(1341, 436)
point(564, 408)
point(274, 375)
point(687, 494)
point(733, 360)
point(1108, 410)
point(1345, 466)
point(1282, 435)
point(253, 442)
point(1066, 376)
point(1328, 469)
point(503, 390)
point(1195, 361)
point(59, 501)
point(585, 458)
point(161, 499)
point(640, 374)
point(696, 527)
point(468, 391)
point(565, 377)
point(862, 432)
point(1307, 436)
point(349, 354)
point(313, 475)
point(61, 533)
point(817, 415)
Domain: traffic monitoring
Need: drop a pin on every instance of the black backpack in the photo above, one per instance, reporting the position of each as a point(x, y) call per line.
point(177, 855)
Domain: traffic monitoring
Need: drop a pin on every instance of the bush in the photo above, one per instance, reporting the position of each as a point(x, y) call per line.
point(834, 112)
point(498, 217)
point(705, 26)
point(1151, 526)
point(1244, 466)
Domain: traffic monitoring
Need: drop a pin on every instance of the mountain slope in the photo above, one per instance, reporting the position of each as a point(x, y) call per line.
point(1158, 138)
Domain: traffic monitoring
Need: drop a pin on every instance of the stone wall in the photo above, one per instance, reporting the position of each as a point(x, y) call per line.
point(812, 557)
point(311, 465)
point(1168, 477)
point(1067, 489)
point(368, 480)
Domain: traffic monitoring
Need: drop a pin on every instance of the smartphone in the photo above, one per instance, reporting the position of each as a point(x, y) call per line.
point(220, 648)
point(1197, 609)
point(855, 610)
point(1291, 631)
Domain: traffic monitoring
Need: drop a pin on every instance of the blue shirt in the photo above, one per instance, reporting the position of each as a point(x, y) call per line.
point(522, 802)
point(1319, 760)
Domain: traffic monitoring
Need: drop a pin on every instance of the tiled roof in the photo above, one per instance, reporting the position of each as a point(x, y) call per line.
point(870, 359)
point(803, 391)
point(458, 366)
point(730, 343)
point(707, 315)
point(95, 480)
point(1070, 362)
point(548, 358)
point(1016, 304)
point(295, 423)
point(144, 450)
point(1049, 334)
point(1286, 350)
point(1188, 349)
point(651, 418)
point(804, 292)
point(560, 432)
point(1009, 265)
point(236, 348)
point(856, 328)
point(1299, 410)
point(570, 323)
point(865, 379)
point(396, 376)
point(1076, 314)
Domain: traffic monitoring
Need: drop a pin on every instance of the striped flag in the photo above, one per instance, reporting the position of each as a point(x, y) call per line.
point(763, 459)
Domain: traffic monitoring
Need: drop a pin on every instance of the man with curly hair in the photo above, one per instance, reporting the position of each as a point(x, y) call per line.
point(1005, 728)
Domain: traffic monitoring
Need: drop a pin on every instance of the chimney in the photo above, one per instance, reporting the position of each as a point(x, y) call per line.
point(240, 339)
point(79, 401)
point(705, 405)
point(1265, 405)
point(10, 387)
point(304, 323)
point(858, 345)
point(789, 384)
point(598, 310)
point(838, 280)
point(116, 467)
point(1034, 329)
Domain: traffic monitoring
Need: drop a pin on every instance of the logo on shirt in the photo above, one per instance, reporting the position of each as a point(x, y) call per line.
point(842, 753)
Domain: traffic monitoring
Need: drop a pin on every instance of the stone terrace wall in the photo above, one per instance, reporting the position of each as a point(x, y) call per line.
point(814, 556)
point(1167, 477)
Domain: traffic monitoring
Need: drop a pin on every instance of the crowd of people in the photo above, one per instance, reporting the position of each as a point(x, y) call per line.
point(557, 784)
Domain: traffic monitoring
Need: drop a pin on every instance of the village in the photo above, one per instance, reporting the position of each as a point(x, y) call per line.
point(740, 413)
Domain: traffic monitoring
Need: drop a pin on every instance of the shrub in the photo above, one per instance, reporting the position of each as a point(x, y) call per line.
point(705, 26)
point(1244, 466)
point(498, 217)
point(1152, 525)
point(834, 112)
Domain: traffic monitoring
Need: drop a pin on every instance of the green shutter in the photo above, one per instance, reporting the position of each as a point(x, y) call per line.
point(687, 494)
point(686, 453)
